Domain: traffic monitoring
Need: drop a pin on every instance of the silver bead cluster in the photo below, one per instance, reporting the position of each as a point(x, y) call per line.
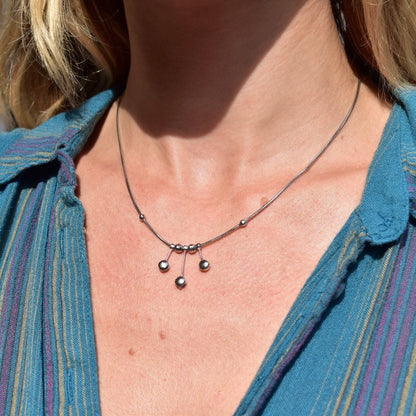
point(164, 266)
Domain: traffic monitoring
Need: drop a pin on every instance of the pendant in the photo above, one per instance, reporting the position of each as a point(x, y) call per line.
point(180, 282)
point(164, 265)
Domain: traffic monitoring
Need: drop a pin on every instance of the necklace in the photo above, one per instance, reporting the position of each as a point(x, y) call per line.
point(184, 249)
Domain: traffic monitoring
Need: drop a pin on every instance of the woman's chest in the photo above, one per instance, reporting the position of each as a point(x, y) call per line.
point(192, 351)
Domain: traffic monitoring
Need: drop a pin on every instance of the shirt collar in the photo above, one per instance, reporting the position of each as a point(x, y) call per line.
point(390, 190)
point(21, 149)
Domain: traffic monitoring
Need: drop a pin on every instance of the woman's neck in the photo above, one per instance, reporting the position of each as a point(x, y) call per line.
point(252, 78)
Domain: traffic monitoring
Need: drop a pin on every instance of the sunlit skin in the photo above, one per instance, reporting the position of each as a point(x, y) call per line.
point(226, 101)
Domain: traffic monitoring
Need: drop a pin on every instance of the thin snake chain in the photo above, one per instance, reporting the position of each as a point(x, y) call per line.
point(184, 249)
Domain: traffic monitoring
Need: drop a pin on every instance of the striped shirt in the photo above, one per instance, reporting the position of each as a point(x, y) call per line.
point(347, 346)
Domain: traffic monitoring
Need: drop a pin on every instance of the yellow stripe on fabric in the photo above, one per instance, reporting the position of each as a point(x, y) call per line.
point(409, 159)
point(411, 171)
point(348, 377)
point(406, 389)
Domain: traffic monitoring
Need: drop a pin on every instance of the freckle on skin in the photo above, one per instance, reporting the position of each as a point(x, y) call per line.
point(131, 351)
point(162, 335)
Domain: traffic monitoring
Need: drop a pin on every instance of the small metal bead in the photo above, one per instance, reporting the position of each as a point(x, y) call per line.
point(243, 223)
point(180, 282)
point(199, 245)
point(185, 248)
point(142, 217)
point(204, 265)
point(172, 246)
point(178, 248)
point(164, 266)
point(192, 248)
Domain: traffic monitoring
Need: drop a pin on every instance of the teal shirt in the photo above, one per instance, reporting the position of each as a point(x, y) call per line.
point(347, 346)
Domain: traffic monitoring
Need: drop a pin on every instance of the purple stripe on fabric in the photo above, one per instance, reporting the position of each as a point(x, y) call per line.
point(24, 249)
point(368, 386)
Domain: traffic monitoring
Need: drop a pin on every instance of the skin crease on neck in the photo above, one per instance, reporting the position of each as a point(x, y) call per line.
point(226, 101)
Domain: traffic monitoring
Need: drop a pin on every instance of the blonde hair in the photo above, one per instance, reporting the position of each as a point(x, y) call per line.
point(57, 53)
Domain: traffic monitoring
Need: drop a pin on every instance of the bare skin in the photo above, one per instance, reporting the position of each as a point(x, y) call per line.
point(225, 103)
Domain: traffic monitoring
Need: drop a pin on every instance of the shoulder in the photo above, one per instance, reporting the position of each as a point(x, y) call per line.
point(21, 148)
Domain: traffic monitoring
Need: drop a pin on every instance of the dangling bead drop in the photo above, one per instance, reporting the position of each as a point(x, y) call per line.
point(204, 265)
point(164, 265)
point(180, 281)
